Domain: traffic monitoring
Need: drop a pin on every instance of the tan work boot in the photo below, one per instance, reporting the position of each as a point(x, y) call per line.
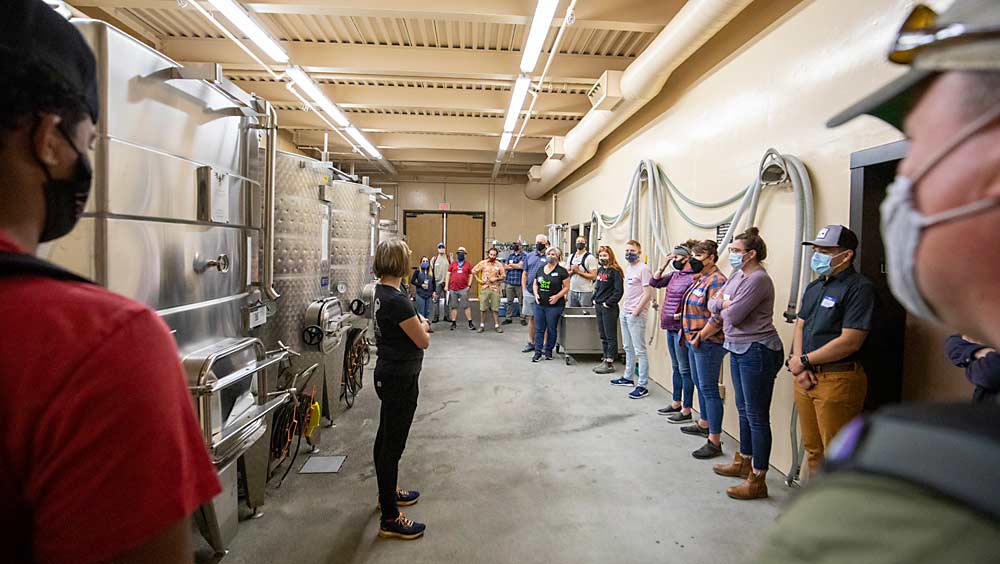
point(738, 468)
point(755, 487)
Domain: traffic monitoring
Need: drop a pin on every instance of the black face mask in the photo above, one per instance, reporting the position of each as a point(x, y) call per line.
point(581, 246)
point(540, 247)
point(461, 257)
point(678, 265)
point(604, 262)
point(517, 248)
point(65, 198)
point(696, 265)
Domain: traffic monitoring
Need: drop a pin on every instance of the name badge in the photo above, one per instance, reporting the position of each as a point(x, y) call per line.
point(828, 302)
point(698, 292)
point(726, 297)
point(460, 271)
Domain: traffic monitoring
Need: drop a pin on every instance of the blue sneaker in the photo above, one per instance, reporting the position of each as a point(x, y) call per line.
point(406, 498)
point(638, 392)
point(401, 528)
point(622, 382)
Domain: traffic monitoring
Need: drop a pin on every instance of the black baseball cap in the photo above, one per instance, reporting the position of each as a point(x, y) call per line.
point(835, 236)
point(33, 31)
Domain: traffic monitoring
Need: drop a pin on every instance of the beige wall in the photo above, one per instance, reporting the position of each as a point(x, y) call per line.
point(506, 204)
point(805, 64)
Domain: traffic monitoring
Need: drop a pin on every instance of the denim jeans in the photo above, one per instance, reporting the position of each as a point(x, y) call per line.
point(683, 383)
point(753, 383)
point(607, 328)
point(634, 341)
point(546, 325)
point(705, 361)
point(424, 306)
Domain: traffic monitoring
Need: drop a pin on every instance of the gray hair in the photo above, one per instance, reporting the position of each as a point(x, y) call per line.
point(541, 237)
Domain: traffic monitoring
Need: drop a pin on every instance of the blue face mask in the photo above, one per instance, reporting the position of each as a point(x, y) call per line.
point(631, 257)
point(425, 264)
point(736, 260)
point(822, 263)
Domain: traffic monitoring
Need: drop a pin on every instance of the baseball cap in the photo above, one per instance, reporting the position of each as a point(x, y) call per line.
point(441, 245)
point(835, 236)
point(682, 251)
point(965, 37)
point(32, 31)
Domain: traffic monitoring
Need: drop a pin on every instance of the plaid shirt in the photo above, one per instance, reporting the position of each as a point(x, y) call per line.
point(695, 314)
point(514, 274)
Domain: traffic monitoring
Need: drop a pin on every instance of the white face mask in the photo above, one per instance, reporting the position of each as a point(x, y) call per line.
point(902, 224)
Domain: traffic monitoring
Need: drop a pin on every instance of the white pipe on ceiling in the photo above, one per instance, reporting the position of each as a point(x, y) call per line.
point(692, 27)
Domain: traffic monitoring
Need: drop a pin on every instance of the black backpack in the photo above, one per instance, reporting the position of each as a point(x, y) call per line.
point(18, 264)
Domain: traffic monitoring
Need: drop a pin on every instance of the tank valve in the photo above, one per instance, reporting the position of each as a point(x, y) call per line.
point(790, 315)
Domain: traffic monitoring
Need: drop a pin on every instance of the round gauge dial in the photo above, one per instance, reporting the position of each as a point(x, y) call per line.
point(342, 287)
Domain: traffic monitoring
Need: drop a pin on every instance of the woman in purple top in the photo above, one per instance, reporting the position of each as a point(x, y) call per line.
point(746, 308)
point(677, 283)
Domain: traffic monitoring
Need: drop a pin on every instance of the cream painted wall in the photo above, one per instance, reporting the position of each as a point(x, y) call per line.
point(777, 91)
point(506, 204)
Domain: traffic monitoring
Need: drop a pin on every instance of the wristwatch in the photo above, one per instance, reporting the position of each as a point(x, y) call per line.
point(804, 359)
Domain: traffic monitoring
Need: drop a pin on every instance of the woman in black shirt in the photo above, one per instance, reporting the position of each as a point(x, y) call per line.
point(608, 292)
point(550, 289)
point(401, 336)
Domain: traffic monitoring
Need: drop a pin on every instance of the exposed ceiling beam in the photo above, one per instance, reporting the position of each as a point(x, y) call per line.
point(314, 138)
point(296, 119)
point(403, 61)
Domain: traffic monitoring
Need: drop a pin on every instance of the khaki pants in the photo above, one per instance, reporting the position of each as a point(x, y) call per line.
point(826, 407)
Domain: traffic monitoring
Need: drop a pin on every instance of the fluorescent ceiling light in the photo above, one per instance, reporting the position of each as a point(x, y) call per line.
point(235, 14)
point(505, 140)
point(540, 24)
point(516, 102)
point(365, 143)
point(302, 80)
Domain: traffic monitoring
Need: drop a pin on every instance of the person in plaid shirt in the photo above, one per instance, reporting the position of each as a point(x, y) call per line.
point(490, 273)
point(703, 340)
point(514, 266)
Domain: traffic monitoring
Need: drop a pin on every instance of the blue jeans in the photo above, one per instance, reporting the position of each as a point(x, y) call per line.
point(546, 325)
point(424, 306)
point(705, 361)
point(683, 383)
point(634, 341)
point(753, 383)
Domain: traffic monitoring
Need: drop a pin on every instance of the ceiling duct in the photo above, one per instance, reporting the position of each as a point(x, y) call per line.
point(555, 149)
point(694, 24)
point(535, 173)
point(606, 93)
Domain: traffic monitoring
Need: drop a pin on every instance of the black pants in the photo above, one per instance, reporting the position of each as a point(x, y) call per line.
point(396, 385)
point(607, 326)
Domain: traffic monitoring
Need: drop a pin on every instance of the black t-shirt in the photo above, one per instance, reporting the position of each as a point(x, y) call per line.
point(392, 307)
point(833, 303)
point(550, 284)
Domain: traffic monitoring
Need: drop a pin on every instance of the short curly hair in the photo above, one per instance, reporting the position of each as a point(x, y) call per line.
point(34, 88)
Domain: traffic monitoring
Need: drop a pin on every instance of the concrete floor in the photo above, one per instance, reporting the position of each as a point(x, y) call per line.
point(516, 462)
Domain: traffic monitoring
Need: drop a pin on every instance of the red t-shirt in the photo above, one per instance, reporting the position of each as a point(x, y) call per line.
point(99, 447)
point(459, 275)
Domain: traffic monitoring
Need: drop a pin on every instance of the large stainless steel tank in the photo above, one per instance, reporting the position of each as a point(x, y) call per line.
point(176, 219)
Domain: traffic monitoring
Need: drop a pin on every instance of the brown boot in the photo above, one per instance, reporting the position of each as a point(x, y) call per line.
point(755, 487)
point(738, 468)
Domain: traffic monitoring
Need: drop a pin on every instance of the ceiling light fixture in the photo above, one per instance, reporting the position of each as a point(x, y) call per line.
point(545, 10)
point(302, 80)
point(242, 20)
point(516, 102)
point(505, 140)
point(365, 143)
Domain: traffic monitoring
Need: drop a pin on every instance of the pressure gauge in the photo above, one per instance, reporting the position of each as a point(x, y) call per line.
point(342, 287)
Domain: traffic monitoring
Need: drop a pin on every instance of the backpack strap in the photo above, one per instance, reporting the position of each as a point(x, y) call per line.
point(583, 261)
point(19, 264)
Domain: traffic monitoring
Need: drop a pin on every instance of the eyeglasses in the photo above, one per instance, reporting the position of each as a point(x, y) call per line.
point(920, 29)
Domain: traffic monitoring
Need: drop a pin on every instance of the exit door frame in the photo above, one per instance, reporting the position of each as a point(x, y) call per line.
point(859, 160)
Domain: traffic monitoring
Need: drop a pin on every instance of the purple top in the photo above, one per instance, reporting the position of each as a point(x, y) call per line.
point(676, 283)
point(749, 318)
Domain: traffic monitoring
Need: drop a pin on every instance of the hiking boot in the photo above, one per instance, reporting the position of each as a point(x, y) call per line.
point(679, 418)
point(401, 528)
point(755, 487)
point(605, 368)
point(708, 450)
point(738, 468)
point(528, 348)
point(696, 430)
point(668, 410)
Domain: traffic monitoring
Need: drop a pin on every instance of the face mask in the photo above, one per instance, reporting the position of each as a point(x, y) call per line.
point(696, 265)
point(552, 260)
point(902, 224)
point(604, 262)
point(425, 264)
point(440, 251)
point(822, 263)
point(65, 199)
point(517, 248)
point(461, 257)
point(540, 247)
point(581, 246)
point(631, 257)
point(736, 260)
point(678, 265)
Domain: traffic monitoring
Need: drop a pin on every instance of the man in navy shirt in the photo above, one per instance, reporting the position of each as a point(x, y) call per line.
point(513, 289)
point(532, 262)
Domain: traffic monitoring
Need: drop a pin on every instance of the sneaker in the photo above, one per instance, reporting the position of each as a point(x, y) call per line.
point(508, 321)
point(548, 356)
point(622, 382)
point(406, 498)
point(524, 322)
point(401, 528)
point(453, 325)
point(668, 410)
point(679, 418)
point(497, 329)
point(638, 393)
point(598, 367)
point(528, 348)
point(708, 450)
point(537, 357)
point(696, 430)
point(471, 326)
point(481, 329)
point(606, 368)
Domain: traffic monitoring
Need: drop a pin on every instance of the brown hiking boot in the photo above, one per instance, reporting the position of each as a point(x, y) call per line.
point(738, 468)
point(755, 487)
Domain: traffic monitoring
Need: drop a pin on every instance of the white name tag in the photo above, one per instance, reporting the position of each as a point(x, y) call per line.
point(698, 292)
point(828, 302)
point(726, 297)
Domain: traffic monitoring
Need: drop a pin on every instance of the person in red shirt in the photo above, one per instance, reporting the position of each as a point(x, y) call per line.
point(101, 458)
point(457, 282)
